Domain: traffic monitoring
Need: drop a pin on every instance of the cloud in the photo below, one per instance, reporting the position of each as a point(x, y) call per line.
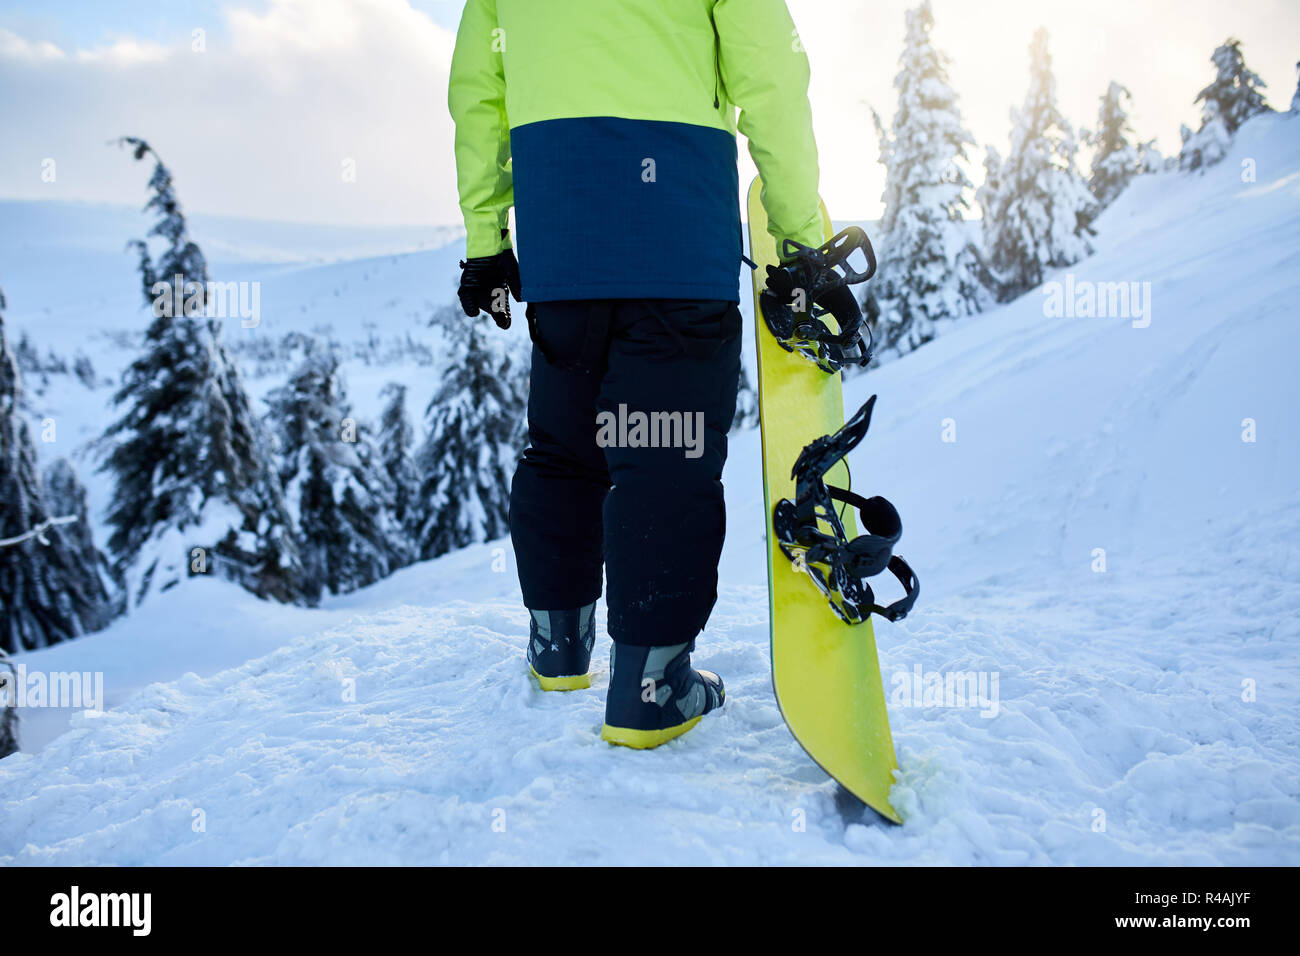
point(14, 47)
point(258, 118)
point(286, 91)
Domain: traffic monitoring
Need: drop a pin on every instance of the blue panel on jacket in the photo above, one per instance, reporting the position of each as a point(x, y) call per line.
point(589, 225)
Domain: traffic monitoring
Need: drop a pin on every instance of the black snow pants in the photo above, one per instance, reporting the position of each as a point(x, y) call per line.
point(629, 406)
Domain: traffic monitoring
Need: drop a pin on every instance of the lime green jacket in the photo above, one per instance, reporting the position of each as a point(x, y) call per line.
point(610, 126)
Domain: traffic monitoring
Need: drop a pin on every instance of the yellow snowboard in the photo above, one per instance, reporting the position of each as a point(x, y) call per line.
point(825, 672)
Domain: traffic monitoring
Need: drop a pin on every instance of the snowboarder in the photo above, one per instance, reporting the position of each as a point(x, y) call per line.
point(610, 126)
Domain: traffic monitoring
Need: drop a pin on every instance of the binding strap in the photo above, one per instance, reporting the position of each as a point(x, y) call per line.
point(812, 535)
point(871, 553)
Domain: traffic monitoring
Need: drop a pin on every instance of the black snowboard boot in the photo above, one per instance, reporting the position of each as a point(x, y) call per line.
point(559, 647)
point(655, 694)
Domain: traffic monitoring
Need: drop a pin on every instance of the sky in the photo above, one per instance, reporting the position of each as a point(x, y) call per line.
point(335, 110)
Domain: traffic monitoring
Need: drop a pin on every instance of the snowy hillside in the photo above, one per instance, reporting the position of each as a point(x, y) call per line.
point(71, 287)
point(1144, 713)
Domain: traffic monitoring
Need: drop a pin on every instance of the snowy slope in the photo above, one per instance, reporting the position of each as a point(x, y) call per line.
point(1144, 714)
point(67, 261)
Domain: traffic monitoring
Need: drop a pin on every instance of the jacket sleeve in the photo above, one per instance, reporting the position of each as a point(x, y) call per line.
point(765, 72)
point(476, 96)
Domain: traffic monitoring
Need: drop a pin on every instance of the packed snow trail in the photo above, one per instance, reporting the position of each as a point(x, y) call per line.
point(450, 754)
point(1144, 713)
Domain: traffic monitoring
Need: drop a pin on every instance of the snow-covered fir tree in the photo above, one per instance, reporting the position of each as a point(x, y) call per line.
point(396, 443)
point(1115, 160)
point(885, 156)
point(50, 583)
point(1295, 97)
point(928, 264)
point(8, 712)
point(84, 369)
point(1150, 158)
point(989, 195)
point(335, 484)
point(746, 403)
point(1236, 88)
point(1041, 217)
point(66, 495)
point(1209, 144)
point(1232, 98)
point(182, 262)
point(196, 488)
point(476, 431)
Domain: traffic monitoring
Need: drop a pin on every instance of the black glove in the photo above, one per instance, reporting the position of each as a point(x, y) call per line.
point(839, 301)
point(484, 282)
point(780, 283)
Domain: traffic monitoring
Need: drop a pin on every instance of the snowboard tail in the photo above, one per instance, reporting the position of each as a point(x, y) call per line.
point(825, 672)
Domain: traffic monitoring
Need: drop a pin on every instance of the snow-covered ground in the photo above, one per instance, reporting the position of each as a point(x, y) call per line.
point(1144, 713)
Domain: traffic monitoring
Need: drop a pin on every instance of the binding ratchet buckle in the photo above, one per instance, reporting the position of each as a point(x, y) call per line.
point(811, 533)
point(805, 277)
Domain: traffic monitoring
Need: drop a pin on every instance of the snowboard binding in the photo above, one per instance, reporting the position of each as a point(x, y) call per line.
point(805, 277)
point(811, 532)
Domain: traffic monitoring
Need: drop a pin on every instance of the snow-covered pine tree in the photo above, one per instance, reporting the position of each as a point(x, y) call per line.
point(50, 587)
point(1150, 159)
point(196, 487)
point(1115, 160)
point(477, 426)
point(989, 195)
point(1209, 144)
point(870, 300)
point(66, 495)
point(746, 403)
point(8, 712)
point(397, 453)
point(1236, 88)
point(1043, 212)
point(515, 360)
point(27, 358)
point(1295, 97)
point(334, 481)
point(1232, 98)
point(84, 369)
point(885, 157)
point(927, 262)
point(182, 262)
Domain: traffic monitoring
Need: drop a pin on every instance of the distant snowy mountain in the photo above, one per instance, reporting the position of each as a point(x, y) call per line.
point(1103, 512)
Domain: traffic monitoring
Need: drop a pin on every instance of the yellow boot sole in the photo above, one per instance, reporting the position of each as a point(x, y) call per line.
point(578, 682)
point(644, 739)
